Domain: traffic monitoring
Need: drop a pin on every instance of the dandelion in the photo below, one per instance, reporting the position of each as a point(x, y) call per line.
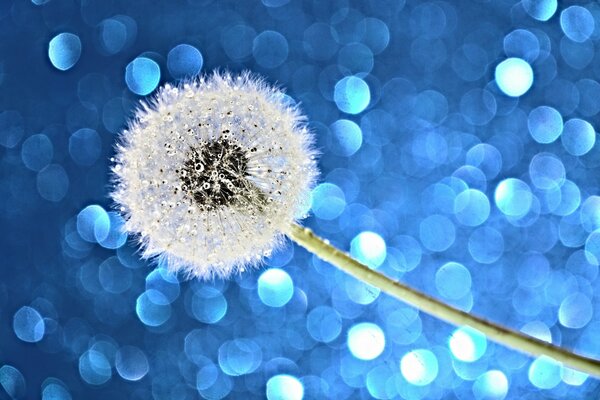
point(211, 175)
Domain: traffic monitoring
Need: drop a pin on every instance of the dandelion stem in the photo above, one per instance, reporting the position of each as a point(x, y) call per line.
point(498, 333)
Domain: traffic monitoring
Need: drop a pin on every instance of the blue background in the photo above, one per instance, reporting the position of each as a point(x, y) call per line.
point(431, 173)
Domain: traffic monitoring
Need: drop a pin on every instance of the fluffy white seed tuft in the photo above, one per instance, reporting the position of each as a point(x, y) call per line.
point(209, 174)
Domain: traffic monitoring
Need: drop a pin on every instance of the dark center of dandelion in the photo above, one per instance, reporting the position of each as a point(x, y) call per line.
point(215, 174)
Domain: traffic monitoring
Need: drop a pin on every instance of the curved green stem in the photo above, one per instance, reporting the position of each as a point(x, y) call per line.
point(498, 333)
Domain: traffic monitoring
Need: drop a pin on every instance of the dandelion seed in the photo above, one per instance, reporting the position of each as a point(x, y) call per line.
point(209, 174)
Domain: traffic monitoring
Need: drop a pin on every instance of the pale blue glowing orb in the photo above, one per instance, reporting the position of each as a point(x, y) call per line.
point(275, 287)
point(366, 341)
point(542, 10)
point(467, 344)
point(514, 77)
point(284, 387)
point(64, 50)
point(577, 23)
point(352, 95)
point(28, 324)
point(419, 367)
point(369, 248)
point(545, 373)
point(491, 385)
point(513, 197)
point(142, 76)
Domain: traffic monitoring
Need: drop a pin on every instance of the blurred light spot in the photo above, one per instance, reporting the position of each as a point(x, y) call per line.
point(113, 35)
point(471, 207)
point(284, 387)
point(577, 23)
point(478, 106)
point(208, 305)
point(590, 213)
point(575, 311)
point(239, 357)
point(437, 233)
point(545, 124)
point(486, 158)
point(547, 171)
point(589, 97)
point(319, 43)
point(369, 248)
point(360, 292)
point(94, 368)
point(513, 197)
point(11, 128)
point(12, 381)
point(542, 10)
point(355, 58)
point(514, 76)
point(64, 50)
point(453, 280)
point(52, 182)
point(352, 95)
point(577, 55)
point(366, 341)
point(578, 136)
point(131, 363)
point(152, 308)
point(219, 389)
point(467, 344)
point(419, 367)
point(55, 391)
point(116, 236)
point(404, 325)
point(328, 201)
point(28, 325)
point(165, 282)
point(142, 76)
point(592, 248)
point(407, 251)
point(184, 61)
point(237, 41)
point(377, 34)
point(37, 152)
point(85, 146)
point(324, 324)
point(522, 44)
point(470, 62)
point(533, 270)
point(491, 385)
point(93, 223)
point(486, 245)
point(545, 373)
point(275, 287)
point(270, 49)
point(538, 330)
point(347, 137)
point(113, 276)
point(573, 377)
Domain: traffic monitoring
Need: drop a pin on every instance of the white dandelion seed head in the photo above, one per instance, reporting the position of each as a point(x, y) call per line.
point(210, 173)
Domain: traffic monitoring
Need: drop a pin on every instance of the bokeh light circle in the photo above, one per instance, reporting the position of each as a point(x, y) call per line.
point(275, 287)
point(64, 50)
point(352, 95)
point(142, 76)
point(366, 341)
point(419, 367)
point(28, 324)
point(514, 76)
point(284, 387)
